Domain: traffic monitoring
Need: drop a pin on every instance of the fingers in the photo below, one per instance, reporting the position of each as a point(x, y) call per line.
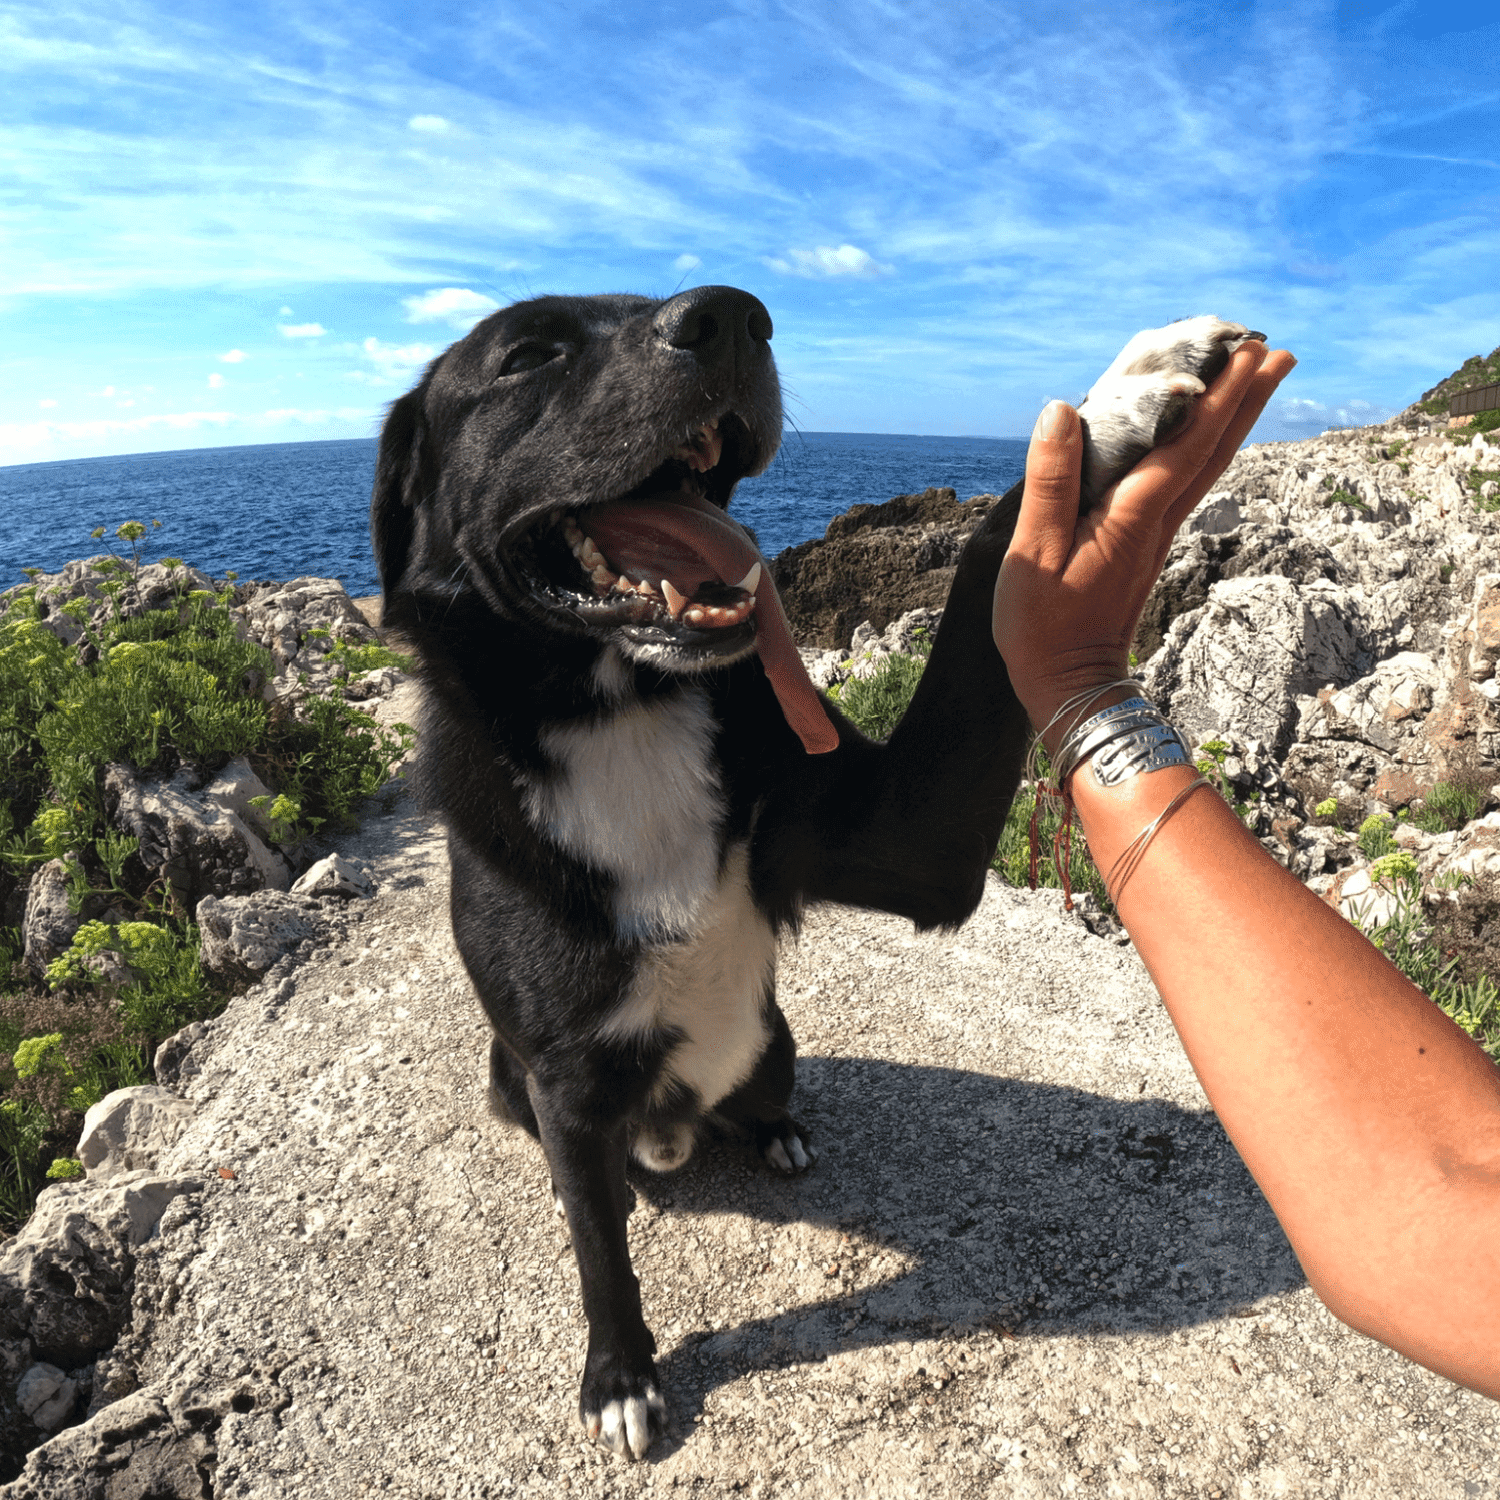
point(1233, 417)
point(1049, 504)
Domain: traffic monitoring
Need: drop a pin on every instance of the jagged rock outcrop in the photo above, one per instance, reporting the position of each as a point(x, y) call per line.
point(48, 925)
point(245, 936)
point(300, 623)
point(66, 1282)
point(875, 563)
point(110, 588)
point(200, 835)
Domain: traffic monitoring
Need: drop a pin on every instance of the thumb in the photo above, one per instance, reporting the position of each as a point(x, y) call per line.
point(1049, 502)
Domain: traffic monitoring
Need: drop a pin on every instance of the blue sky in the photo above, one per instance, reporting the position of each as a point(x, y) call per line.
point(255, 223)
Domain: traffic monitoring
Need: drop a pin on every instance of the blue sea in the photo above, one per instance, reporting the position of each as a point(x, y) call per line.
point(284, 510)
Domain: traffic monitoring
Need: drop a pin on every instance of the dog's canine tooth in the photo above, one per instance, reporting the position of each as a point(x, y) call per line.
point(748, 582)
point(676, 602)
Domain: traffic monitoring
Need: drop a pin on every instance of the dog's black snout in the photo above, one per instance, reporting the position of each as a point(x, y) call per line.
point(712, 318)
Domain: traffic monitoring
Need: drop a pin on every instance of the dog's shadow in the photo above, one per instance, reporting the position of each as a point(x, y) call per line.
point(1006, 1205)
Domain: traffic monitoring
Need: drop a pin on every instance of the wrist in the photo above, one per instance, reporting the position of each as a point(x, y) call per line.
point(1059, 713)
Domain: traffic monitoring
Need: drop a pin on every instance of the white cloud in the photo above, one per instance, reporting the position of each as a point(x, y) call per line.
point(1292, 417)
point(456, 306)
point(215, 381)
point(302, 330)
point(234, 357)
point(686, 263)
point(828, 260)
point(43, 438)
point(433, 124)
point(285, 312)
point(46, 403)
point(394, 362)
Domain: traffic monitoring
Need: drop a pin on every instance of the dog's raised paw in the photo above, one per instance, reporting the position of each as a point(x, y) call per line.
point(1143, 398)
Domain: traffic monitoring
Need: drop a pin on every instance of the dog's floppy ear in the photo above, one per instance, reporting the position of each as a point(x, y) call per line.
point(398, 486)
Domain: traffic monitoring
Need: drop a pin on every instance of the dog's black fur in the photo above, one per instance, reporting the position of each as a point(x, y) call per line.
point(631, 820)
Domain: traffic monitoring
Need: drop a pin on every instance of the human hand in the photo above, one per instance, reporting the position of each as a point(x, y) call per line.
point(1071, 589)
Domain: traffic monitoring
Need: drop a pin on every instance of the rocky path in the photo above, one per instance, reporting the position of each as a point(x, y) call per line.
point(1026, 1263)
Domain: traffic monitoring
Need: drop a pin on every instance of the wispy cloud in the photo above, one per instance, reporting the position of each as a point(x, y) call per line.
point(951, 213)
point(829, 260)
point(394, 363)
point(456, 306)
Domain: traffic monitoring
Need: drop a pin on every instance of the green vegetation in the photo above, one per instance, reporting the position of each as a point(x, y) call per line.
point(874, 704)
point(1327, 808)
point(157, 689)
point(1479, 369)
point(1449, 805)
point(1407, 942)
point(1349, 498)
point(1478, 477)
point(1375, 836)
point(1481, 421)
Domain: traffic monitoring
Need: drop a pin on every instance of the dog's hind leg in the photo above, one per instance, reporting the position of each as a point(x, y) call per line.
point(620, 1405)
point(508, 1098)
point(758, 1106)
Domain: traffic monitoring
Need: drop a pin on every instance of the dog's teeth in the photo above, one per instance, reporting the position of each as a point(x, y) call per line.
point(676, 602)
point(748, 582)
point(603, 577)
point(695, 614)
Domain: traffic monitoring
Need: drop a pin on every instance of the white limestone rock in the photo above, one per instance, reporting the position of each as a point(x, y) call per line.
point(127, 1130)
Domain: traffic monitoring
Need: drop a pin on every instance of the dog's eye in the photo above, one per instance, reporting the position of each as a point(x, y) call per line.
point(530, 356)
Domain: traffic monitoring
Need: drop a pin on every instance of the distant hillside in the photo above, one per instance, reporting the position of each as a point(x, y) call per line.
point(1479, 370)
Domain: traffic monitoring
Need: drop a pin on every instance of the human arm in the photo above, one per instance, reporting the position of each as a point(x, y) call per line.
point(1371, 1123)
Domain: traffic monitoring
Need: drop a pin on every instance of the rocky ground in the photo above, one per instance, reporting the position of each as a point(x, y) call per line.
point(307, 1263)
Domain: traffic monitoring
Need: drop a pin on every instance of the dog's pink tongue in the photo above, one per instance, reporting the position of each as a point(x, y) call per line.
point(691, 542)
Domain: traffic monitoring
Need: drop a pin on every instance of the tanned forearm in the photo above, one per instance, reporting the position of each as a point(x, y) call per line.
point(1370, 1121)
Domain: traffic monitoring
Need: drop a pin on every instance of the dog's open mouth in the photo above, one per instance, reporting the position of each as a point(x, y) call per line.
point(681, 582)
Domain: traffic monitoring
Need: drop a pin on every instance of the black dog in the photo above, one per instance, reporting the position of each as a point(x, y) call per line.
point(641, 787)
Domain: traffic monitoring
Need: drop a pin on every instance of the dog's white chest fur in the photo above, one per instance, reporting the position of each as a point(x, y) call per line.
point(638, 797)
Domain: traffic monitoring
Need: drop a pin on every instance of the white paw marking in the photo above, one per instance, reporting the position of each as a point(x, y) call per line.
point(664, 1150)
point(624, 1427)
point(789, 1156)
point(1146, 391)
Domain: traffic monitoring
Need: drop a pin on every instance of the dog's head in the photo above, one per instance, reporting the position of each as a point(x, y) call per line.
point(572, 460)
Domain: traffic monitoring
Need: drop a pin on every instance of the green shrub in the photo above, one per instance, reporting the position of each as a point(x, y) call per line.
point(1327, 808)
point(1404, 940)
point(1375, 836)
point(874, 704)
point(155, 689)
point(1349, 498)
point(1449, 805)
point(1394, 869)
point(1013, 857)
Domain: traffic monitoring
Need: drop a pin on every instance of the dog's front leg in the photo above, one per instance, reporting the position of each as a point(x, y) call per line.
point(620, 1405)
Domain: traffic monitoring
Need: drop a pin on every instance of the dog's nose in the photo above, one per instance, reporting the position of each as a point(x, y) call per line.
point(712, 319)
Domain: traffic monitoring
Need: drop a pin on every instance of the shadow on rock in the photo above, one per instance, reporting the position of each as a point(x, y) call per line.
point(1006, 1205)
